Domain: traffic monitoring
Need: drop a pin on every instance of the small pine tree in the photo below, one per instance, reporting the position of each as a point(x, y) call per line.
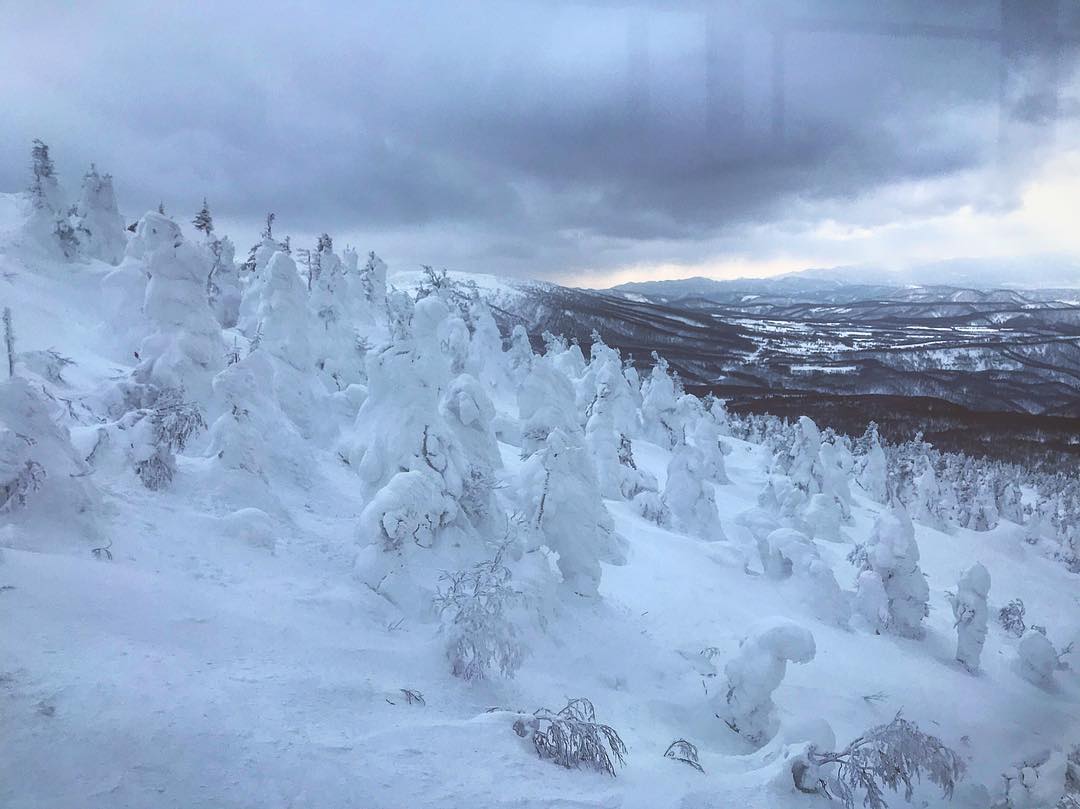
point(43, 169)
point(203, 222)
point(161, 208)
point(324, 243)
point(268, 231)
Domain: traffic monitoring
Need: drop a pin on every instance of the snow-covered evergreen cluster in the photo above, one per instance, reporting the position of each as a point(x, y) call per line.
point(456, 504)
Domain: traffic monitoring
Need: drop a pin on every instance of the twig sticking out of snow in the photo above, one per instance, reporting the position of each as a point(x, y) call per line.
point(686, 752)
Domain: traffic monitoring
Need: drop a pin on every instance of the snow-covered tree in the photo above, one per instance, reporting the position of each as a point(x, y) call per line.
point(659, 406)
point(47, 502)
point(689, 495)
point(745, 702)
point(790, 554)
point(49, 225)
point(186, 348)
point(282, 315)
point(1036, 658)
point(892, 555)
point(563, 508)
point(471, 416)
point(970, 611)
point(223, 284)
point(871, 465)
point(545, 403)
point(705, 434)
point(982, 513)
point(98, 224)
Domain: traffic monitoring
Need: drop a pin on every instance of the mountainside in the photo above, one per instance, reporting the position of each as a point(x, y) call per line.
point(895, 350)
point(281, 535)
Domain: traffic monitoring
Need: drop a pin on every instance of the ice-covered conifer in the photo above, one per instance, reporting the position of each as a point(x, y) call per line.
point(471, 416)
point(520, 356)
point(689, 495)
point(486, 361)
point(255, 278)
point(563, 508)
point(659, 406)
point(545, 403)
point(931, 506)
point(822, 518)
point(970, 611)
point(834, 475)
point(223, 285)
point(789, 554)
point(46, 499)
point(982, 510)
point(872, 602)
point(186, 348)
point(1036, 658)
point(282, 314)
point(745, 702)
point(99, 228)
point(871, 465)
point(893, 556)
point(805, 468)
point(705, 434)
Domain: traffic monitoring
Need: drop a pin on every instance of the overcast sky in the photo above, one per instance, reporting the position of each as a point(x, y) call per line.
point(586, 142)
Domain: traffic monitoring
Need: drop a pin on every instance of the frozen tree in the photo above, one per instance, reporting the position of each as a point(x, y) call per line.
point(789, 554)
point(156, 434)
point(822, 518)
point(650, 506)
point(982, 512)
point(563, 508)
point(970, 611)
point(931, 505)
point(49, 223)
point(892, 555)
point(834, 474)
point(705, 435)
point(520, 356)
point(470, 414)
point(805, 468)
point(1011, 618)
point(475, 604)
point(186, 348)
point(372, 281)
point(894, 755)
point(1036, 658)
point(750, 678)
point(203, 221)
point(545, 403)
point(871, 602)
point(99, 227)
point(282, 314)
point(689, 495)
point(659, 406)
point(223, 283)
point(254, 277)
point(871, 465)
point(47, 502)
point(572, 737)
point(486, 361)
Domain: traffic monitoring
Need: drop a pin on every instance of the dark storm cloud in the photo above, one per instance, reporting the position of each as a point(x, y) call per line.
point(541, 135)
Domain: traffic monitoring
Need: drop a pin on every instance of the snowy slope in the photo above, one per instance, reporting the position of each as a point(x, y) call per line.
point(228, 655)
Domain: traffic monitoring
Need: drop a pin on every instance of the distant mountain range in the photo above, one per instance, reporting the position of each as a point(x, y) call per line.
point(989, 362)
point(1041, 276)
